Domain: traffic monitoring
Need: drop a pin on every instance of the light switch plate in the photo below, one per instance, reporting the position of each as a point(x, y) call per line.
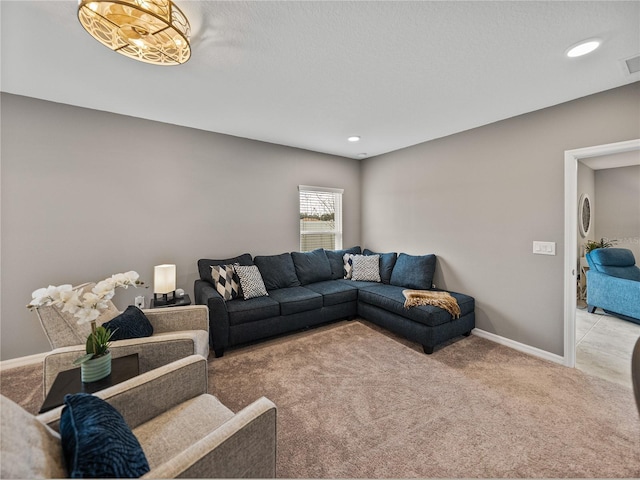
point(544, 248)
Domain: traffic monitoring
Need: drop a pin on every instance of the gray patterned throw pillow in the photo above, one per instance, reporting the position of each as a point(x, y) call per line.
point(250, 281)
point(366, 268)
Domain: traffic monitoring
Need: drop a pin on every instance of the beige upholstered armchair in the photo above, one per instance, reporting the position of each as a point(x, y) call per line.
point(177, 333)
point(184, 432)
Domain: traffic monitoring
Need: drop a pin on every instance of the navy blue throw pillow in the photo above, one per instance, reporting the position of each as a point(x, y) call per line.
point(132, 323)
point(411, 271)
point(97, 442)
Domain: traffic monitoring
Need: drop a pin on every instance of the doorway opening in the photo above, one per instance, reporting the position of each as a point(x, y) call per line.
point(571, 159)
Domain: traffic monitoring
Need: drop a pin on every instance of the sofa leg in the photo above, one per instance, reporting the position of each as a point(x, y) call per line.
point(466, 334)
point(218, 352)
point(428, 350)
point(591, 309)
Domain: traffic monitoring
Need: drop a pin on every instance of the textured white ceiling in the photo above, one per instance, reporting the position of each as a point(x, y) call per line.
point(311, 73)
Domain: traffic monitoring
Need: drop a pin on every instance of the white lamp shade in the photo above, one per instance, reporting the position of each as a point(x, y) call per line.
point(164, 279)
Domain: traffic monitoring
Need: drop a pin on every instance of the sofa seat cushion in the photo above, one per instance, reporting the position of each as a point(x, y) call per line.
point(334, 292)
point(390, 298)
point(252, 310)
point(357, 284)
point(296, 299)
point(177, 429)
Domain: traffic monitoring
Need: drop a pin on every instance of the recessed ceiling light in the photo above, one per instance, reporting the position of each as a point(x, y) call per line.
point(354, 138)
point(583, 48)
point(362, 155)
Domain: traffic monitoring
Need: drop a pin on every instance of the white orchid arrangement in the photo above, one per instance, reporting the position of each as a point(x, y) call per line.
point(86, 306)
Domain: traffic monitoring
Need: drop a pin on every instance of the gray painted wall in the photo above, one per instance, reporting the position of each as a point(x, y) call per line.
point(478, 199)
point(164, 193)
point(86, 194)
point(617, 206)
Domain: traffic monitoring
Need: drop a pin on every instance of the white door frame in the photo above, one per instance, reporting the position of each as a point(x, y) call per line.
point(571, 158)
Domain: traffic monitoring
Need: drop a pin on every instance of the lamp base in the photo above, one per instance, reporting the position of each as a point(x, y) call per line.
point(165, 300)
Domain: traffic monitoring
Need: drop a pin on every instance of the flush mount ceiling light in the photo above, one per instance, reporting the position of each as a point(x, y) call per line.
point(152, 31)
point(354, 138)
point(583, 48)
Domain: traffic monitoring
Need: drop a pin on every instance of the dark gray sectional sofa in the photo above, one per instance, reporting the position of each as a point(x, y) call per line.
point(308, 288)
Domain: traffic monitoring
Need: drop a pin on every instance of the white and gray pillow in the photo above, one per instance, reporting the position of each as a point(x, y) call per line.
point(250, 281)
point(348, 265)
point(366, 268)
point(225, 281)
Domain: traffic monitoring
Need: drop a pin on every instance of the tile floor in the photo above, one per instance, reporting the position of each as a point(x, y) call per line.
point(604, 344)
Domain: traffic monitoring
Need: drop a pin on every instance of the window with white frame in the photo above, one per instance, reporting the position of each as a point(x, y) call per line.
point(320, 218)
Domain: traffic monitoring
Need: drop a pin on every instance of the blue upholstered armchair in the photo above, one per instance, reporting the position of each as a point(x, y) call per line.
point(613, 283)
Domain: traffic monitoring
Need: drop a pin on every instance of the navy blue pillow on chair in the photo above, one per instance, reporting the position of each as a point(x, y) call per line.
point(132, 323)
point(97, 442)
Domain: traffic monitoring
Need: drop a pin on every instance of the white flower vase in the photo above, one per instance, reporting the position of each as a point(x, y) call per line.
point(96, 368)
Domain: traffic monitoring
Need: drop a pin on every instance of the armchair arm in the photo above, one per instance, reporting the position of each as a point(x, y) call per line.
point(205, 294)
point(619, 295)
point(153, 352)
point(242, 447)
point(150, 394)
point(172, 319)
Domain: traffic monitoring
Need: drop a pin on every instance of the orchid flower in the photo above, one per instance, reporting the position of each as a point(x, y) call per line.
point(87, 306)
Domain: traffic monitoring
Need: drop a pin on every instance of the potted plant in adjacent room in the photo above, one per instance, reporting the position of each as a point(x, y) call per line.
point(603, 243)
point(87, 307)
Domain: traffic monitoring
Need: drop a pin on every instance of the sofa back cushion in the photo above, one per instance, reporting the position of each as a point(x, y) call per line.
point(336, 261)
point(312, 267)
point(204, 265)
point(387, 262)
point(277, 271)
point(413, 271)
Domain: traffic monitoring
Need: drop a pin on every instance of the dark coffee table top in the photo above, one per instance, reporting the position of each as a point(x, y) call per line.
point(122, 368)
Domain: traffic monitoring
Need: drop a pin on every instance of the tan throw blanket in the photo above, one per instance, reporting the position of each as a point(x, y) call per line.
point(443, 300)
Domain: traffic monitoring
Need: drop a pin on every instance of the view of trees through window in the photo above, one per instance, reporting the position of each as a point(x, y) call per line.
point(320, 225)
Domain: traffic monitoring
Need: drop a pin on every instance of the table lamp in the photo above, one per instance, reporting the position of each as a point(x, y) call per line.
point(164, 283)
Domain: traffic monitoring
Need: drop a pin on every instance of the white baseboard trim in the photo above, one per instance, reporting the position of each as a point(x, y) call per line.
point(22, 361)
point(521, 347)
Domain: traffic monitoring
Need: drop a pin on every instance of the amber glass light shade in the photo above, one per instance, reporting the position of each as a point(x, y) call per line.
point(152, 31)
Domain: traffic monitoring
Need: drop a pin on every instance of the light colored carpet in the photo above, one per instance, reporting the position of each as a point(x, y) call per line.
point(356, 401)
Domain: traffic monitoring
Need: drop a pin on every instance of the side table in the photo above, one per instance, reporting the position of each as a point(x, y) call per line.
point(180, 302)
point(122, 368)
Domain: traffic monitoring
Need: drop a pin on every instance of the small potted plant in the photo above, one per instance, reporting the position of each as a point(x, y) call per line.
point(87, 307)
point(592, 244)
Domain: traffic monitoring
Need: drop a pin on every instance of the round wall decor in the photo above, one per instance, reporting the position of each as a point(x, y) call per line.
point(584, 214)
